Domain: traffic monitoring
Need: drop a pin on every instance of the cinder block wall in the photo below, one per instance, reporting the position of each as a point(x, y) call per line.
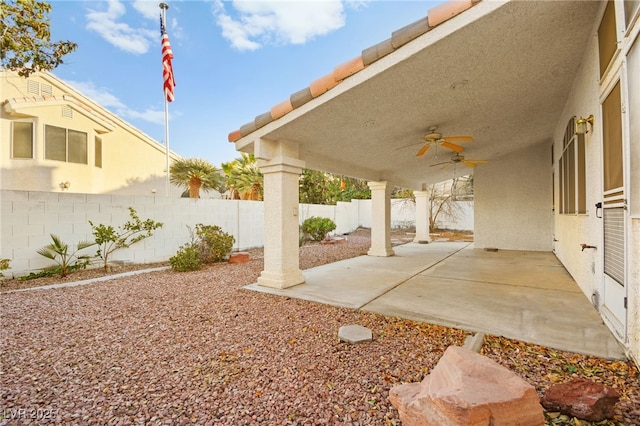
point(28, 218)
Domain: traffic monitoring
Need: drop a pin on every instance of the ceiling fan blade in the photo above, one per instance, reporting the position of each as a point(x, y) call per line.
point(459, 138)
point(423, 150)
point(478, 161)
point(469, 164)
point(452, 146)
point(440, 164)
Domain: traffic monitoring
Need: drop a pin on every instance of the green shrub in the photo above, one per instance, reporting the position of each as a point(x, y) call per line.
point(208, 244)
point(318, 227)
point(110, 239)
point(186, 259)
point(215, 244)
point(4, 264)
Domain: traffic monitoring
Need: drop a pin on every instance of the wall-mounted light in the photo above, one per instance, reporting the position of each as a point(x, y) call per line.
point(581, 124)
point(64, 185)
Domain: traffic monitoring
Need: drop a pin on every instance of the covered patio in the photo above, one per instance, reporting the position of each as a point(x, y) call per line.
point(521, 295)
point(495, 89)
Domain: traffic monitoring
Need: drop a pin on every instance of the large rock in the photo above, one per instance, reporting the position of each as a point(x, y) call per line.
point(466, 388)
point(582, 398)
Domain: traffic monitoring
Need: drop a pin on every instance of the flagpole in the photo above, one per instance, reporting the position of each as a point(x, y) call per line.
point(163, 8)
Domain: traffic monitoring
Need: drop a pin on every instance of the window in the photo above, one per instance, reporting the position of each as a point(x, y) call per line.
point(631, 8)
point(77, 147)
point(572, 175)
point(607, 37)
point(98, 151)
point(65, 145)
point(22, 140)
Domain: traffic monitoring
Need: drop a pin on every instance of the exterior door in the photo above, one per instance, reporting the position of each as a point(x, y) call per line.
point(614, 212)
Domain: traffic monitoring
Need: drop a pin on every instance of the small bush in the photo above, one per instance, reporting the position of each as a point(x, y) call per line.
point(209, 244)
point(186, 259)
point(215, 244)
point(318, 227)
point(4, 264)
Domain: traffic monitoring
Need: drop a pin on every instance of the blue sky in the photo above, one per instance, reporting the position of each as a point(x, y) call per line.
point(233, 60)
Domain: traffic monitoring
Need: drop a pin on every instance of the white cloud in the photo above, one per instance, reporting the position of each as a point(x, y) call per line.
point(148, 8)
point(106, 99)
point(257, 23)
point(120, 34)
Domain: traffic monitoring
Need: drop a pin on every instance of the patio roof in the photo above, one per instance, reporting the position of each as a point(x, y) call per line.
point(497, 71)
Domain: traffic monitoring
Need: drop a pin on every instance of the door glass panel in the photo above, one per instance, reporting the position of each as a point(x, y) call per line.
point(612, 140)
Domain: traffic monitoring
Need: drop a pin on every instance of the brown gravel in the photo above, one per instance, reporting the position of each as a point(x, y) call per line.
point(172, 348)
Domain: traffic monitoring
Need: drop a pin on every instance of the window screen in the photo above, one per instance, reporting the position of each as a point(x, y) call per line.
point(77, 147)
point(55, 143)
point(22, 139)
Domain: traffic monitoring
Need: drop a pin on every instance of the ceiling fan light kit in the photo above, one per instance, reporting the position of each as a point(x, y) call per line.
point(435, 138)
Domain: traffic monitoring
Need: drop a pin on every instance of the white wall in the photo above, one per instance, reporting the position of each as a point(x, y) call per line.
point(28, 218)
point(524, 222)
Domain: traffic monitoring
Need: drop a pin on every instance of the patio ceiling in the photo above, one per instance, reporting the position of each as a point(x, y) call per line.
point(500, 72)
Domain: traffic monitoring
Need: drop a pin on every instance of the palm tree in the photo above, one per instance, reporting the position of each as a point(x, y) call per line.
point(244, 180)
point(195, 174)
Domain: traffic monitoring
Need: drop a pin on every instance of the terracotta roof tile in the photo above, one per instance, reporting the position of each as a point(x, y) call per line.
point(235, 135)
point(301, 97)
point(377, 51)
point(399, 38)
point(263, 119)
point(348, 68)
point(247, 128)
point(406, 34)
point(322, 84)
point(281, 109)
point(447, 10)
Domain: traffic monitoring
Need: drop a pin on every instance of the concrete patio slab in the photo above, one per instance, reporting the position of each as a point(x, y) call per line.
point(516, 294)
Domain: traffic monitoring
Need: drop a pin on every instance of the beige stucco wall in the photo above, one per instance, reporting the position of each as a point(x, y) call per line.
point(524, 221)
point(132, 162)
point(586, 267)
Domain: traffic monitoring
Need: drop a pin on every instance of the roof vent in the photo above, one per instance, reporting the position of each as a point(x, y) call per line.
point(47, 89)
point(33, 87)
point(67, 112)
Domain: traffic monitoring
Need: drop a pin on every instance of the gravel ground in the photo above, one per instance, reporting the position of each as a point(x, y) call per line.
point(172, 348)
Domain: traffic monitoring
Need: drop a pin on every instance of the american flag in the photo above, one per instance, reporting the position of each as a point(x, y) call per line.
point(167, 68)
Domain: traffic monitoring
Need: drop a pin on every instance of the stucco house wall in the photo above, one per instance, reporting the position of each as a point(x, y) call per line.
point(132, 162)
point(573, 230)
point(524, 222)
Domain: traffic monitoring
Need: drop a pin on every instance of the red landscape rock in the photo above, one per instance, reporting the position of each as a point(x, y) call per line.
point(466, 388)
point(239, 257)
point(582, 398)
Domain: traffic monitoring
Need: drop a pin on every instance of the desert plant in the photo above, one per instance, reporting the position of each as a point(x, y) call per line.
point(4, 264)
point(67, 261)
point(214, 243)
point(110, 239)
point(186, 259)
point(208, 244)
point(318, 227)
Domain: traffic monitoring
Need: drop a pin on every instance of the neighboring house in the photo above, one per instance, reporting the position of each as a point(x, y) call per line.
point(56, 139)
point(550, 92)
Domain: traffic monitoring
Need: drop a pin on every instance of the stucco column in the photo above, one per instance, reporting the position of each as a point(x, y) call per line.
point(422, 217)
point(281, 255)
point(381, 219)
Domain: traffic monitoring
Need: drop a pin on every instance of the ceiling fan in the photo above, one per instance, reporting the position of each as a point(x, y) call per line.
point(435, 138)
point(457, 158)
